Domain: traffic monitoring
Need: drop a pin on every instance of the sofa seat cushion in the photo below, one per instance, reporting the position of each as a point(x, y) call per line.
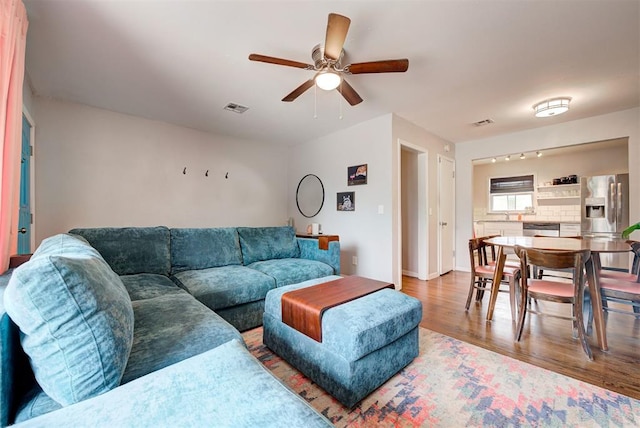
point(224, 387)
point(171, 328)
point(204, 248)
point(131, 250)
point(222, 287)
point(76, 320)
point(149, 285)
point(36, 403)
point(266, 243)
point(292, 271)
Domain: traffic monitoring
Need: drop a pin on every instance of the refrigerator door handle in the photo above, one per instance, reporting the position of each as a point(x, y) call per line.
point(611, 209)
point(619, 207)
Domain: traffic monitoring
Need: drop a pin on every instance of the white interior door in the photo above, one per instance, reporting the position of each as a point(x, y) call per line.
point(446, 212)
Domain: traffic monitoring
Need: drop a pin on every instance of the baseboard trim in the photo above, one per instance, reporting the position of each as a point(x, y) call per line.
point(410, 273)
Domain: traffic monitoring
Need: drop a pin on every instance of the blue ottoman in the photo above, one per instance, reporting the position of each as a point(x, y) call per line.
point(364, 342)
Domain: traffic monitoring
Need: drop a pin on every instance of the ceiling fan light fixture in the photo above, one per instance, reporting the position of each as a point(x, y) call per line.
point(327, 80)
point(552, 107)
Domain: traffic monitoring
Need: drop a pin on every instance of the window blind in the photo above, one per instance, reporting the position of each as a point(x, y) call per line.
point(521, 183)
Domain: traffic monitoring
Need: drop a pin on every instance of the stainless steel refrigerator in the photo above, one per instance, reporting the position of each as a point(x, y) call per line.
point(605, 211)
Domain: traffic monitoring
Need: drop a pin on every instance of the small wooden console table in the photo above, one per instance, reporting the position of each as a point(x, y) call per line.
point(302, 309)
point(323, 240)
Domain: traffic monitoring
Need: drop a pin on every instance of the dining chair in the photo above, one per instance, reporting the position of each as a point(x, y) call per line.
point(633, 274)
point(483, 260)
point(626, 292)
point(622, 287)
point(554, 291)
point(539, 272)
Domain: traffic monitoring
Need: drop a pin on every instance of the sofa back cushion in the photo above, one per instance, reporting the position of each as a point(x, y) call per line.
point(193, 249)
point(266, 243)
point(62, 244)
point(75, 318)
point(131, 250)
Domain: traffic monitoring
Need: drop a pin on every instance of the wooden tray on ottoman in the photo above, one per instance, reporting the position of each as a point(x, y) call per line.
point(302, 309)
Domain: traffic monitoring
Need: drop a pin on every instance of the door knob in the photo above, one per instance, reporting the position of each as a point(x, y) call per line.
point(443, 223)
point(23, 230)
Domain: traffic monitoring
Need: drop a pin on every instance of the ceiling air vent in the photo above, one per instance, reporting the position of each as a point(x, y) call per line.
point(483, 122)
point(236, 108)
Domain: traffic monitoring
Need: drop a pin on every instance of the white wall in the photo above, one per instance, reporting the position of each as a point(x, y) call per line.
point(363, 233)
point(614, 125)
point(375, 239)
point(99, 168)
point(408, 132)
point(27, 95)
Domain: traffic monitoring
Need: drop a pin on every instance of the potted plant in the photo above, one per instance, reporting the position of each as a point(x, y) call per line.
point(628, 230)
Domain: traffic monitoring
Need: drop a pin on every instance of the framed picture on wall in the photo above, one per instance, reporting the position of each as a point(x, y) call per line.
point(346, 201)
point(357, 175)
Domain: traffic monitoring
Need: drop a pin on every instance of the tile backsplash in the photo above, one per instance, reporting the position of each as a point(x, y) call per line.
point(560, 213)
point(570, 213)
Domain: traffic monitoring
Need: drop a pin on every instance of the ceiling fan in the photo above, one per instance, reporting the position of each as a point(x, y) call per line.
point(328, 63)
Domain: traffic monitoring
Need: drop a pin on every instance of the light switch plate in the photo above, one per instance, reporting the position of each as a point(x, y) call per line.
point(380, 209)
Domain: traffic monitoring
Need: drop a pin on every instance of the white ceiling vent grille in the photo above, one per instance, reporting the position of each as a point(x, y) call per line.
point(236, 108)
point(483, 122)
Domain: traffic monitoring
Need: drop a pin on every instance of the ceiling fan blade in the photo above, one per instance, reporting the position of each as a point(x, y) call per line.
point(337, 27)
point(385, 66)
point(279, 61)
point(349, 93)
point(299, 90)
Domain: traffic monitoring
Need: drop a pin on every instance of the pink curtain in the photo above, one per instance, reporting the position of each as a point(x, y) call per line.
point(13, 37)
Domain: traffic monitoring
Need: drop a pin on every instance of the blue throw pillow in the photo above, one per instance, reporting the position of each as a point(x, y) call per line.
point(75, 318)
point(267, 243)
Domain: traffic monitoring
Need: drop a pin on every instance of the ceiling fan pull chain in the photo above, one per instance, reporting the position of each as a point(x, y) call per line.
point(340, 101)
point(315, 101)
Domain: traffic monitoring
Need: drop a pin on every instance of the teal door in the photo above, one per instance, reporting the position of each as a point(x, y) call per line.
point(24, 221)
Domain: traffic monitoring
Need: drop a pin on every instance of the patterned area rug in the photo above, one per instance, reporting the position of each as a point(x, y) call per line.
point(455, 384)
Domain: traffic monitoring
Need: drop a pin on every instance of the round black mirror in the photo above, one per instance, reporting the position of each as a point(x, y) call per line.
point(310, 195)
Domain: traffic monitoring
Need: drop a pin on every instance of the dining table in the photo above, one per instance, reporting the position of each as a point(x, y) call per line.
point(596, 245)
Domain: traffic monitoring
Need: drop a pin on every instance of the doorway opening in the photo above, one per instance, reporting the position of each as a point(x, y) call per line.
point(413, 209)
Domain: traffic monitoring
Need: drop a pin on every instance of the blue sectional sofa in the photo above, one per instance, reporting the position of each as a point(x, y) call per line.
point(115, 320)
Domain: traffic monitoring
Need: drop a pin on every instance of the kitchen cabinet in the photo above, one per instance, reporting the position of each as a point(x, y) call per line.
point(562, 194)
point(569, 229)
point(504, 228)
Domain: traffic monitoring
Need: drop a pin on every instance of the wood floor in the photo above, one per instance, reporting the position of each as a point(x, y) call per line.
point(546, 341)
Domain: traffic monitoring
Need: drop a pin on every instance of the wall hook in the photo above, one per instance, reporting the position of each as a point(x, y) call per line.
point(206, 174)
point(226, 175)
point(184, 171)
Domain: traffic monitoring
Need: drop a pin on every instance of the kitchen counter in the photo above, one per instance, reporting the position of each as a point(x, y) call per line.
point(517, 227)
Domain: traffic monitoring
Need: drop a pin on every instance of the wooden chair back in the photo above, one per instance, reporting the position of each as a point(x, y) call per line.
point(553, 259)
point(480, 252)
point(549, 290)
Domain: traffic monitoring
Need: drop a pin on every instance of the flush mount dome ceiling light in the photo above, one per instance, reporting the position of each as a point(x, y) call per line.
point(327, 80)
point(552, 107)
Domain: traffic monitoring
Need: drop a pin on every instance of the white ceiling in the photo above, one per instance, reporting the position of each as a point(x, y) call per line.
point(182, 61)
